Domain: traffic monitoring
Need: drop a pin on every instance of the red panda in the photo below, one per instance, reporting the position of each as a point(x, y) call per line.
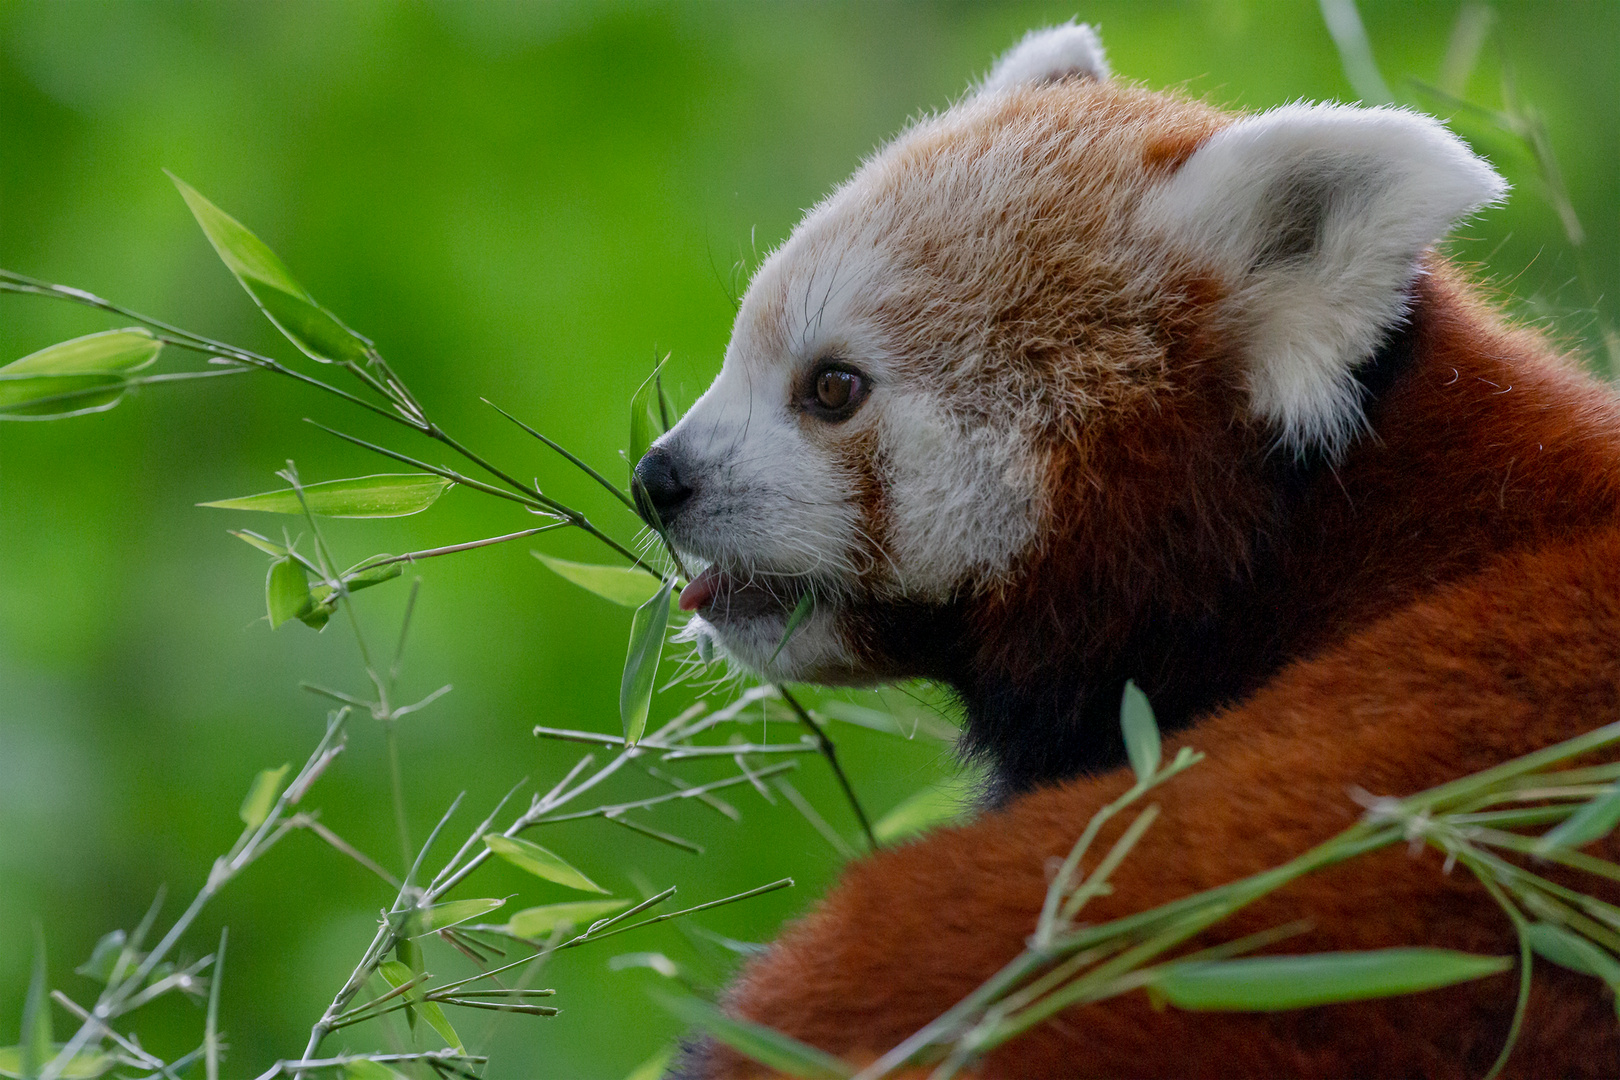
point(1075, 383)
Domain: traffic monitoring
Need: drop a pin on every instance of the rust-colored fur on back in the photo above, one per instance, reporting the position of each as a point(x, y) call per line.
point(1455, 586)
point(1137, 388)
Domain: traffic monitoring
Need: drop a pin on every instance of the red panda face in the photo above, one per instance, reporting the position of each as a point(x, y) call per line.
point(924, 379)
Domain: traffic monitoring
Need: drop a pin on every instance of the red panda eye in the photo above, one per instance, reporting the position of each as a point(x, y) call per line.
point(834, 389)
point(837, 391)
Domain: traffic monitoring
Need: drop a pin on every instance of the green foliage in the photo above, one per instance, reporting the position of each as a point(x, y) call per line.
point(88, 374)
point(641, 662)
point(529, 856)
point(260, 798)
point(534, 251)
point(781, 1052)
point(626, 586)
point(266, 278)
point(1275, 983)
point(537, 922)
point(383, 496)
point(1141, 731)
point(928, 808)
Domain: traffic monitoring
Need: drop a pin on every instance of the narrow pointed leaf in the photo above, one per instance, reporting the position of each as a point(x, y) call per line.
point(541, 863)
point(1568, 949)
point(269, 547)
point(103, 957)
point(86, 1064)
point(37, 1045)
point(1592, 821)
point(84, 375)
point(936, 805)
point(398, 974)
point(644, 420)
point(382, 496)
point(286, 591)
point(628, 586)
point(262, 796)
point(360, 576)
point(110, 352)
point(666, 408)
point(641, 662)
point(538, 922)
point(286, 303)
point(877, 720)
point(801, 611)
point(1272, 983)
point(1141, 731)
point(440, 916)
point(769, 1047)
point(317, 616)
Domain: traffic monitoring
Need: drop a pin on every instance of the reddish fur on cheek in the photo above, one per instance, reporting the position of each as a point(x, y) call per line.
point(1169, 152)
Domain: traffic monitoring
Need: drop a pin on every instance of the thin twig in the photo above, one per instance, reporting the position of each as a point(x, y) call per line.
point(830, 752)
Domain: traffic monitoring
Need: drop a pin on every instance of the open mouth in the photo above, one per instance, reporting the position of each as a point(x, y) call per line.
point(719, 595)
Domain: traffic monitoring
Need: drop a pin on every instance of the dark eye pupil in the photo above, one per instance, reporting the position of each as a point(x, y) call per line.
point(834, 389)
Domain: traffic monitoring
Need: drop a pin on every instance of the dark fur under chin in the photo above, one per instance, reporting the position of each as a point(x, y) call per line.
point(1040, 672)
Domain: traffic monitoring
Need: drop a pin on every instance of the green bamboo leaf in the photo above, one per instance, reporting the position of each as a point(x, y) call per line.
point(641, 662)
point(943, 802)
point(382, 496)
point(538, 922)
point(801, 611)
point(666, 407)
point(644, 419)
point(269, 547)
point(771, 1048)
point(286, 591)
point(86, 1064)
point(87, 374)
point(361, 576)
point(1141, 731)
point(628, 586)
point(1568, 949)
point(262, 796)
point(1593, 821)
point(365, 1069)
point(37, 1045)
point(1274, 983)
point(104, 957)
point(439, 916)
point(316, 331)
point(877, 720)
point(541, 863)
point(398, 974)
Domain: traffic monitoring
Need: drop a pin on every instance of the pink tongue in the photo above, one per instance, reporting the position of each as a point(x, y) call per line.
point(700, 590)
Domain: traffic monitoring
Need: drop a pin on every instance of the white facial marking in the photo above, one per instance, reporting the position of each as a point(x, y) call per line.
point(998, 276)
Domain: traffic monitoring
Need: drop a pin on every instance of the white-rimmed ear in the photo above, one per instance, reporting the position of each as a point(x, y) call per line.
point(1049, 55)
point(1314, 216)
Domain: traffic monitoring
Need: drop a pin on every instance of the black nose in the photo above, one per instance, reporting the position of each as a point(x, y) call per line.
point(658, 489)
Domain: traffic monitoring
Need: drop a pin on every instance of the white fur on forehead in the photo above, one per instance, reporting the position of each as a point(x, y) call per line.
point(1315, 217)
point(1048, 55)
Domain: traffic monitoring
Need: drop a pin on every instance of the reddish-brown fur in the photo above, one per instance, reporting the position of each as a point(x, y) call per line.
point(1449, 596)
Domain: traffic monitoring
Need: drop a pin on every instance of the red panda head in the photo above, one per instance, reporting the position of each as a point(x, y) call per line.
point(1020, 366)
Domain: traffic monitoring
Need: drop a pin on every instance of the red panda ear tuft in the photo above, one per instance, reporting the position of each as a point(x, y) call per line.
point(1315, 217)
point(1045, 56)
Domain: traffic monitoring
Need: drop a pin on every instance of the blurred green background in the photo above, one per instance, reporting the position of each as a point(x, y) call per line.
point(526, 201)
